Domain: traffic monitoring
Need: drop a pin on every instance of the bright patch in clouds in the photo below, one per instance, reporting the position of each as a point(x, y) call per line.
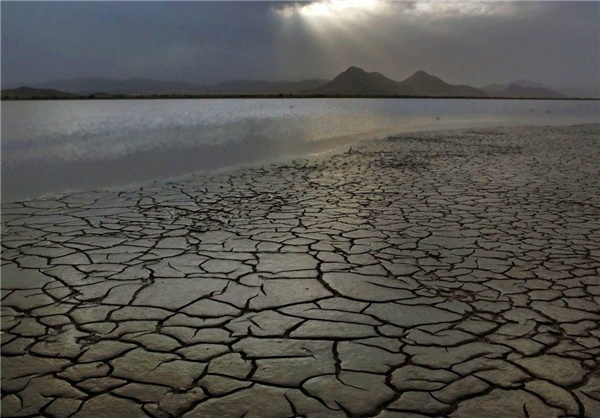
point(332, 8)
point(356, 9)
point(393, 37)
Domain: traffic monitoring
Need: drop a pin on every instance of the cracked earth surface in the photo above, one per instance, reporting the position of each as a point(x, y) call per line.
point(434, 274)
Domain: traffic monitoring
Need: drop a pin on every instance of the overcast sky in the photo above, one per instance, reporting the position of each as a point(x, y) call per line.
point(557, 43)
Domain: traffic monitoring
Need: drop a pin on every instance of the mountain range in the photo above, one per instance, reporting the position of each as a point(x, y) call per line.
point(357, 82)
point(522, 88)
point(250, 86)
point(30, 92)
point(140, 87)
point(133, 86)
point(353, 82)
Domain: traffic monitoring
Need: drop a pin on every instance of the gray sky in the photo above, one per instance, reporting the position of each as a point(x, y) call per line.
point(557, 43)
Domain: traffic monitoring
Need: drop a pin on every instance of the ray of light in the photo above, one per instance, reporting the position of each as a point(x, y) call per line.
point(333, 25)
point(352, 32)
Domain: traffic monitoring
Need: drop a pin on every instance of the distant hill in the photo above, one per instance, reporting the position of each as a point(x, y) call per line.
point(528, 84)
point(140, 87)
point(357, 82)
point(33, 93)
point(133, 86)
point(423, 84)
point(517, 91)
point(521, 89)
point(251, 86)
point(354, 82)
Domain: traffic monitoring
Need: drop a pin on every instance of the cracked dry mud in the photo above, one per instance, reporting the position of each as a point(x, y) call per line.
point(435, 274)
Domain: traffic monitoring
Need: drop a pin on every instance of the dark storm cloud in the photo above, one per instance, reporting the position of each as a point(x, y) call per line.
point(196, 41)
point(477, 43)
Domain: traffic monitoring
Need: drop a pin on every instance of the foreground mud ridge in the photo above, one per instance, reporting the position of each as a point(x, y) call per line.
point(438, 274)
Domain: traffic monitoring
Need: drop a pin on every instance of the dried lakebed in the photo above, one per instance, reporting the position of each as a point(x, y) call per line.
point(436, 274)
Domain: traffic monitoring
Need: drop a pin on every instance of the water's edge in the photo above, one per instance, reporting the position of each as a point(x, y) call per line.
point(124, 146)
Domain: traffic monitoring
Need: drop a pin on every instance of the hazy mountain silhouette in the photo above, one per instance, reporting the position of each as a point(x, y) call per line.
point(33, 93)
point(528, 84)
point(133, 86)
point(522, 89)
point(251, 86)
point(354, 82)
point(517, 91)
point(493, 89)
point(423, 84)
point(87, 86)
point(357, 82)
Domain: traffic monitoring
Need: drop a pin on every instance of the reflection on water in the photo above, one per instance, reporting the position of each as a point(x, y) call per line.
point(56, 145)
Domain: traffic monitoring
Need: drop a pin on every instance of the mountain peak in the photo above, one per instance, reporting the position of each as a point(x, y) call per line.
point(356, 81)
point(355, 70)
point(421, 73)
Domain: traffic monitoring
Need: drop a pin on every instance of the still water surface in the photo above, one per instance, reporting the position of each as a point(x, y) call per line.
point(53, 146)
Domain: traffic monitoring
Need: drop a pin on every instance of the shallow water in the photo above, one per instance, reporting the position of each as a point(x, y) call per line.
point(53, 146)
